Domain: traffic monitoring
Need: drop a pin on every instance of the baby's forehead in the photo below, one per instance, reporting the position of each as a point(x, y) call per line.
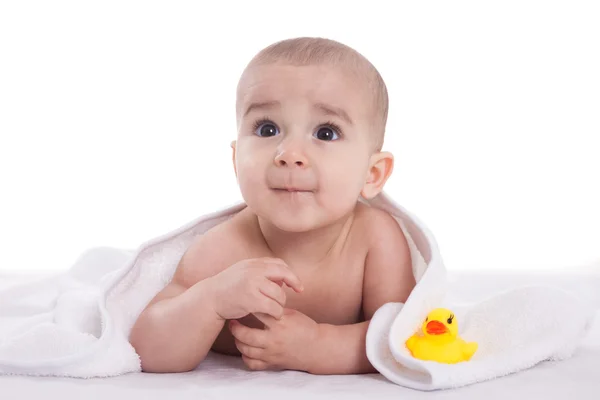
point(323, 83)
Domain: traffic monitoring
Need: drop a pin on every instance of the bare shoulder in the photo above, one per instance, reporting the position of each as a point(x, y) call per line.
point(380, 228)
point(210, 253)
point(216, 249)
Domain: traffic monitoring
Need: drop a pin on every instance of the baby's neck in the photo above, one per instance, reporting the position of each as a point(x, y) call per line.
point(306, 248)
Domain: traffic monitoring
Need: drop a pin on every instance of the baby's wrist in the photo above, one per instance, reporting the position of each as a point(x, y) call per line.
point(206, 295)
point(317, 350)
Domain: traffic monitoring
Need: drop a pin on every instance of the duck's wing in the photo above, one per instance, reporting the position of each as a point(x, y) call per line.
point(411, 343)
point(469, 349)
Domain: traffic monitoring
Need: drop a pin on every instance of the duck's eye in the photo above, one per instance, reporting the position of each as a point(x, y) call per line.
point(450, 319)
point(426, 319)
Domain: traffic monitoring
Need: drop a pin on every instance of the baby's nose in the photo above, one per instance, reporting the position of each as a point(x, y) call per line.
point(291, 158)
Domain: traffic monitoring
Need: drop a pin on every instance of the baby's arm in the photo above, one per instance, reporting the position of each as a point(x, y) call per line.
point(177, 329)
point(214, 282)
point(388, 278)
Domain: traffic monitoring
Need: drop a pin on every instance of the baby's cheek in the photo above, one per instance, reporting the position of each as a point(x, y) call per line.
point(348, 177)
point(249, 179)
point(341, 193)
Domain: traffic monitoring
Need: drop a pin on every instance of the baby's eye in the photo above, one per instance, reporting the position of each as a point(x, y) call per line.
point(326, 133)
point(266, 129)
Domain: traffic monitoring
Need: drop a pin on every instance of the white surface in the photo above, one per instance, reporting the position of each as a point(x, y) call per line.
point(226, 377)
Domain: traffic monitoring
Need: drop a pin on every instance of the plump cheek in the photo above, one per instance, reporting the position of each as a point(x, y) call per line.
point(339, 199)
point(250, 180)
point(248, 189)
point(339, 191)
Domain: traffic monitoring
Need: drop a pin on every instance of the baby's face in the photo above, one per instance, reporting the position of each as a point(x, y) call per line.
point(304, 143)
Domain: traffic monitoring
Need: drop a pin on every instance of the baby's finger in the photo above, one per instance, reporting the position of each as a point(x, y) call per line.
point(273, 291)
point(273, 260)
point(266, 319)
point(278, 273)
point(254, 364)
point(249, 351)
point(270, 307)
point(250, 336)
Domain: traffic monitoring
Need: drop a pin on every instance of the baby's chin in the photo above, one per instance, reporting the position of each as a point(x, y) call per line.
point(296, 213)
point(298, 223)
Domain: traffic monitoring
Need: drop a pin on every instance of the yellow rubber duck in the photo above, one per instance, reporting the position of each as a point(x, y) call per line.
point(439, 340)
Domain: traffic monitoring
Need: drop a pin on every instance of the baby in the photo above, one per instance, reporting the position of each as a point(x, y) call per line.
point(292, 280)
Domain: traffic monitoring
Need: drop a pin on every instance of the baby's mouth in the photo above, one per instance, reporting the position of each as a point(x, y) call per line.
point(292, 190)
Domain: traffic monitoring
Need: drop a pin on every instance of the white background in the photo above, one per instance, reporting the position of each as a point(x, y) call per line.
point(116, 119)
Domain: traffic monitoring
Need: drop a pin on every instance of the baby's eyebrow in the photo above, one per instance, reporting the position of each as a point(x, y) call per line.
point(264, 104)
point(335, 111)
point(326, 109)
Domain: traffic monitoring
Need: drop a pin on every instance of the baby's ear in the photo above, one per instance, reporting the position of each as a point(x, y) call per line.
point(233, 144)
point(380, 169)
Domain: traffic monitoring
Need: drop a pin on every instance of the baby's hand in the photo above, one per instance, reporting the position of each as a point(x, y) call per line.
point(252, 286)
point(283, 344)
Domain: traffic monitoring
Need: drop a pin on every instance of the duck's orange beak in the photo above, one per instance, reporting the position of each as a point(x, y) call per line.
point(435, 328)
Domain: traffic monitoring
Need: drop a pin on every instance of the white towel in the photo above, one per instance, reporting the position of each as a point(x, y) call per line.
point(77, 323)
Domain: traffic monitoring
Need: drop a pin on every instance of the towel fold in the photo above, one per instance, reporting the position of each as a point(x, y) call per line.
point(77, 323)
